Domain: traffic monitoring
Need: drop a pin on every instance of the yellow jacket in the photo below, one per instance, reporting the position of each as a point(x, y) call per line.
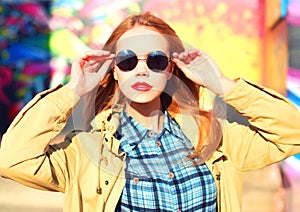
point(72, 166)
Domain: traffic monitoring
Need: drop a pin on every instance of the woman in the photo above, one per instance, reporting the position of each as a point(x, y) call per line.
point(150, 146)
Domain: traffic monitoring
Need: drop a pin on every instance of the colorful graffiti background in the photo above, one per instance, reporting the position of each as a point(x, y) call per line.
point(255, 39)
point(39, 39)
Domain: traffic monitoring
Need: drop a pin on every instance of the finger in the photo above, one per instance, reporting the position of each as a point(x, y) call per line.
point(184, 57)
point(94, 55)
point(175, 55)
point(179, 63)
point(93, 64)
point(99, 58)
point(193, 53)
point(102, 58)
point(97, 53)
point(203, 54)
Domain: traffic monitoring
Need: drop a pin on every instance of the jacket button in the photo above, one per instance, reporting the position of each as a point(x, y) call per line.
point(158, 143)
point(150, 134)
point(135, 180)
point(171, 175)
point(99, 190)
point(106, 182)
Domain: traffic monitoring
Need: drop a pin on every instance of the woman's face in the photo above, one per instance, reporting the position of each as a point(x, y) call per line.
point(141, 84)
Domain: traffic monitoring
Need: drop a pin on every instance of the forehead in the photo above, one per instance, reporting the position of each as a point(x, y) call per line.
point(142, 40)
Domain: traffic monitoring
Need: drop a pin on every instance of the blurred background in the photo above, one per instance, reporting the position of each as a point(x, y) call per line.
point(255, 39)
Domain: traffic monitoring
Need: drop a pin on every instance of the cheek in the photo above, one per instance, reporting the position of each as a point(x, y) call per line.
point(121, 76)
point(162, 81)
point(124, 79)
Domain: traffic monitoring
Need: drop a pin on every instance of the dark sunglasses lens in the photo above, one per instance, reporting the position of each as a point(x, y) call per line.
point(126, 60)
point(157, 61)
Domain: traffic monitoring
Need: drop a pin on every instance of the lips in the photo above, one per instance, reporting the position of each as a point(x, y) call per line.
point(141, 86)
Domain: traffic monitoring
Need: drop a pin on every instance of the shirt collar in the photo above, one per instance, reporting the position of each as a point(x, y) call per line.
point(172, 126)
point(129, 124)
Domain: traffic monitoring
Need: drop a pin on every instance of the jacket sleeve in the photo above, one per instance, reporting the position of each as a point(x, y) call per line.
point(274, 130)
point(25, 153)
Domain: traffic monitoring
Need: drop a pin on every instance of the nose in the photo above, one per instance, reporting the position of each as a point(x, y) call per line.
point(141, 68)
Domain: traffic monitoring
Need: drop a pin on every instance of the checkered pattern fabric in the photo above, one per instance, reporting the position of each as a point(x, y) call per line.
point(158, 175)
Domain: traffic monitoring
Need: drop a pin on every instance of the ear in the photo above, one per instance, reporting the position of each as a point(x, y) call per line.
point(115, 74)
point(172, 66)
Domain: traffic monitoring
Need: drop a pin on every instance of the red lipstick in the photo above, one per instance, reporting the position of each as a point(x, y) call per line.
point(141, 86)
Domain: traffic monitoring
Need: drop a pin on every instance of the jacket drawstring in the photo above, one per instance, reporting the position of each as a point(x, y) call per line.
point(101, 158)
point(115, 116)
point(218, 176)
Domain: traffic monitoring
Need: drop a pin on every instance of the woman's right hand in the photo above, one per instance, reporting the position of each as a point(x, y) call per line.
point(86, 72)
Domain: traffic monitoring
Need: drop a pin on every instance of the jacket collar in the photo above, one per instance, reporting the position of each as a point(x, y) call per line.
point(111, 119)
point(129, 124)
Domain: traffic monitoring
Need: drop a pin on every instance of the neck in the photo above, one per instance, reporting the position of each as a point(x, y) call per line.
point(148, 114)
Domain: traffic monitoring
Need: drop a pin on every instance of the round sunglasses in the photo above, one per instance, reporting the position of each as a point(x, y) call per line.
point(127, 60)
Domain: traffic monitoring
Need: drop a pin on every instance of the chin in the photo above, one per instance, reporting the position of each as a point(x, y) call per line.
point(143, 98)
point(140, 100)
point(152, 96)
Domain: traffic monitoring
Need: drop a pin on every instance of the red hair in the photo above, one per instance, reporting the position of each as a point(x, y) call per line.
point(209, 128)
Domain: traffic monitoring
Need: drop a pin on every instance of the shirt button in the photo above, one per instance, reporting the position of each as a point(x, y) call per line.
point(150, 134)
point(158, 143)
point(171, 175)
point(135, 180)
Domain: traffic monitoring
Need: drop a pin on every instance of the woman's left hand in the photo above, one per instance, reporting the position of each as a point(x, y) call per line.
point(201, 69)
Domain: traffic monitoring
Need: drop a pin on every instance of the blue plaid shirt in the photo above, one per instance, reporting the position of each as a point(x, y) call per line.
point(158, 175)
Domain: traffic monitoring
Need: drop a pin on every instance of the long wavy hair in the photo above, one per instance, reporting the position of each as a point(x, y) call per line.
point(181, 94)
